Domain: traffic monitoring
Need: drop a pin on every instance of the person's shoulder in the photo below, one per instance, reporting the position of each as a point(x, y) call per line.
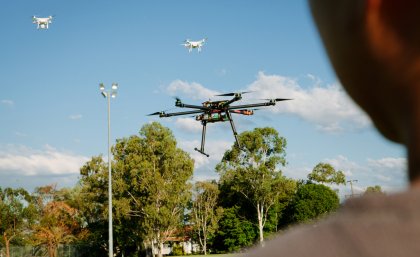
point(391, 204)
point(375, 225)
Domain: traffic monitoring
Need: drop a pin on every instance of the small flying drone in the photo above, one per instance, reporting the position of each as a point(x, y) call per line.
point(42, 23)
point(218, 111)
point(194, 44)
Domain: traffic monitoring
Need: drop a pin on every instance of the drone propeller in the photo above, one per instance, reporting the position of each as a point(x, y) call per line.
point(233, 94)
point(177, 99)
point(155, 113)
point(278, 99)
point(282, 99)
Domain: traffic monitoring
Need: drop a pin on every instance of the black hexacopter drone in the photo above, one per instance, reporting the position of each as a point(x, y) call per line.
point(217, 111)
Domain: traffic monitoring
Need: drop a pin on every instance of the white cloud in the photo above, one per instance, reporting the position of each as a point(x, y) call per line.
point(389, 172)
point(48, 161)
point(389, 164)
point(205, 166)
point(75, 116)
point(383, 178)
point(222, 72)
point(188, 125)
point(317, 81)
point(295, 172)
point(192, 90)
point(329, 108)
point(20, 134)
point(348, 167)
point(7, 102)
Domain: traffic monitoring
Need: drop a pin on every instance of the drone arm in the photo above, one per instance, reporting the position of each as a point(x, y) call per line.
point(236, 98)
point(178, 113)
point(182, 105)
point(251, 105)
point(244, 111)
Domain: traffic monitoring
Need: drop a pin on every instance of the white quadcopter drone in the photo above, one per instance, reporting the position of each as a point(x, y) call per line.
point(194, 44)
point(42, 23)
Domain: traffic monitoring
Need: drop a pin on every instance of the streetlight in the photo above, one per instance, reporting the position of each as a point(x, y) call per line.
point(351, 186)
point(109, 94)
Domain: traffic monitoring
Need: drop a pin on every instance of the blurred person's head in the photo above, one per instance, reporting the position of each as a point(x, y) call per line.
point(374, 47)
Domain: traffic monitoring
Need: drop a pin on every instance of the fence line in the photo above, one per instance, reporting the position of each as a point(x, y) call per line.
point(36, 251)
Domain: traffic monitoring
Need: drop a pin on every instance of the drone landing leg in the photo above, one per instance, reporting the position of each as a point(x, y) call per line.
point(235, 134)
point(203, 140)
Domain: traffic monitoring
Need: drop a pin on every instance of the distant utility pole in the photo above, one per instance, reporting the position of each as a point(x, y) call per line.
point(351, 186)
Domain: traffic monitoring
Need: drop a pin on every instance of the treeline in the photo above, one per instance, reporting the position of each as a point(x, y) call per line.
point(156, 202)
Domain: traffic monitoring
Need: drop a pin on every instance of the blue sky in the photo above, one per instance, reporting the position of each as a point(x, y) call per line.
point(53, 118)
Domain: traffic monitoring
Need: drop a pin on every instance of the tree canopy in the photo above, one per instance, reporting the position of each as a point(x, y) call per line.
point(312, 201)
point(16, 214)
point(58, 222)
point(253, 171)
point(325, 173)
point(205, 213)
point(234, 232)
point(150, 177)
point(374, 190)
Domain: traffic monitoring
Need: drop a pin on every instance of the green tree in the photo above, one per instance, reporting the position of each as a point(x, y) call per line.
point(166, 171)
point(93, 195)
point(93, 204)
point(204, 212)
point(312, 201)
point(374, 190)
point(234, 232)
point(16, 213)
point(326, 174)
point(150, 177)
point(252, 170)
point(58, 222)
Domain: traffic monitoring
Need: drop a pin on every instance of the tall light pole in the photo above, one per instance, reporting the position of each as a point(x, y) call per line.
point(109, 94)
point(351, 186)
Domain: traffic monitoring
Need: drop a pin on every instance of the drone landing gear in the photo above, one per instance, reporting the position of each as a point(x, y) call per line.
point(198, 150)
point(235, 134)
point(203, 140)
